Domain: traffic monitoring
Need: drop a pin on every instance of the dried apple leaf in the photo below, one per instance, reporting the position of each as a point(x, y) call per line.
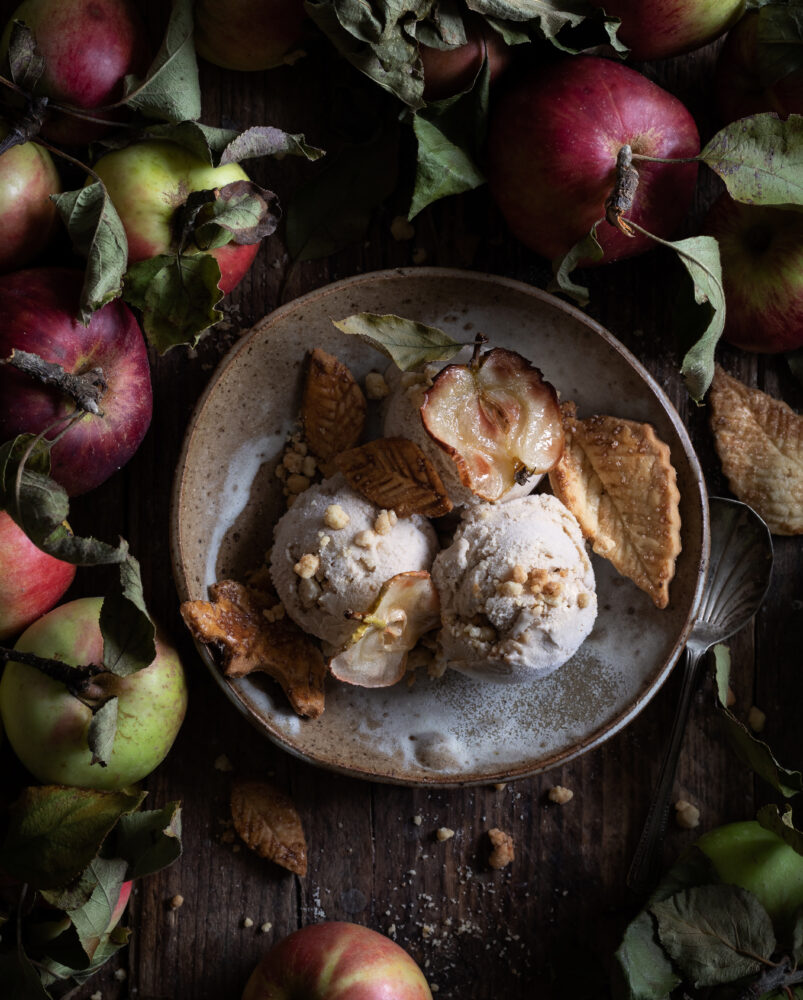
point(332, 408)
point(241, 212)
point(585, 251)
point(645, 971)
point(149, 840)
point(25, 61)
point(92, 919)
point(268, 822)
point(407, 343)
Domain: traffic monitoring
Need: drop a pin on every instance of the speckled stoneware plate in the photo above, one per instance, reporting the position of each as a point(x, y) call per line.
point(453, 730)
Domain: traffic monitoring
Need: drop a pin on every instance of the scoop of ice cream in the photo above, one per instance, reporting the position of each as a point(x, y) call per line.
point(333, 550)
point(403, 419)
point(516, 588)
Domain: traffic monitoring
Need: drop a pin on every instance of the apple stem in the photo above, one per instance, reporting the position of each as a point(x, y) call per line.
point(479, 341)
point(76, 679)
point(86, 390)
point(70, 159)
point(621, 198)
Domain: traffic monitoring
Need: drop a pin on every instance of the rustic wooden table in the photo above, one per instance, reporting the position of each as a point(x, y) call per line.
point(556, 914)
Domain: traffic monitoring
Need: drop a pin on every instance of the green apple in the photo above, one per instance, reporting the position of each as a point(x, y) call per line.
point(47, 726)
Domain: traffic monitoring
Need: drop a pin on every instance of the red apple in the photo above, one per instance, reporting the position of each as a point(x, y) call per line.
point(148, 181)
point(335, 961)
point(653, 29)
point(762, 274)
point(451, 71)
point(39, 307)
point(552, 151)
point(738, 88)
point(31, 581)
point(27, 215)
point(248, 34)
point(89, 46)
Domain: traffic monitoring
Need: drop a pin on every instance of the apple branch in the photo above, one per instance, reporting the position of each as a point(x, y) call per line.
point(86, 390)
point(75, 679)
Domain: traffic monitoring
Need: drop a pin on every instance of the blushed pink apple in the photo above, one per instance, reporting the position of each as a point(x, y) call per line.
point(31, 581)
point(653, 29)
point(149, 181)
point(47, 727)
point(762, 274)
point(39, 309)
point(89, 46)
point(248, 34)
point(552, 149)
point(332, 961)
point(738, 88)
point(451, 71)
point(28, 217)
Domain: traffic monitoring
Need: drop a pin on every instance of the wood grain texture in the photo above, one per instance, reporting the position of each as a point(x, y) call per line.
point(556, 914)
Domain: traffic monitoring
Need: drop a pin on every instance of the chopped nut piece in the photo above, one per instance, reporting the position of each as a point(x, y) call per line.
point(293, 462)
point(280, 472)
point(297, 484)
point(444, 833)
point(385, 520)
point(365, 539)
point(269, 823)
point(502, 853)
point(309, 590)
point(756, 719)
point(583, 599)
point(560, 795)
point(401, 229)
point(335, 517)
point(120, 975)
point(519, 574)
point(510, 589)
point(309, 466)
point(176, 902)
point(333, 407)
point(307, 566)
point(375, 386)
point(275, 613)
point(267, 926)
point(686, 815)
point(418, 820)
point(248, 922)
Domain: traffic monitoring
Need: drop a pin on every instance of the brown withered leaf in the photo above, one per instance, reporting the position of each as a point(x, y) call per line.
point(759, 441)
point(268, 822)
point(332, 408)
point(234, 621)
point(395, 474)
point(617, 478)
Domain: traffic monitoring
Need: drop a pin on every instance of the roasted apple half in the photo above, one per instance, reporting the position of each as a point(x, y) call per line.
point(498, 420)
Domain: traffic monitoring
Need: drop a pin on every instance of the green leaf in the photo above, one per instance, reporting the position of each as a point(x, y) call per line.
point(97, 234)
point(586, 251)
point(149, 841)
point(55, 832)
point(127, 630)
point(450, 136)
point(333, 210)
point(19, 978)
point(569, 25)
point(714, 933)
point(102, 730)
point(177, 295)
point(93, 918)
point(265, 140)
point(25, 61)
point(753, 752)
point(645, 970)
point(407, 343)
point(170, 90)
point(779, 41)
point(782, 825)
point(242, 212)
point(760, 159)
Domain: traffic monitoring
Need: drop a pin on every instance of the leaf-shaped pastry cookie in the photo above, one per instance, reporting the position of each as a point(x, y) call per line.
point(268, 822)
point(759, 440)
point(617, 479)
point(333, 406)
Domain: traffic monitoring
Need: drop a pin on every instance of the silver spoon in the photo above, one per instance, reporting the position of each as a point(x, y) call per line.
point(738, 578)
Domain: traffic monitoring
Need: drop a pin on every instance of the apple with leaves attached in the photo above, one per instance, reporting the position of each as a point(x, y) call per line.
point(88, 48)
point(452, 71)
point(149, 181)
point(28, 217)
point(335, 960)
point(761, 248)
point(248, 34)
point(48, 727)
point(31, 581)
point(39, 309)
point(552, 155)
point(653, 29)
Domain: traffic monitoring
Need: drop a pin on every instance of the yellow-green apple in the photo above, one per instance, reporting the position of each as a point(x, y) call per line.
point(88, 46)
point(27, 215)
point(248, 34)
point(762, 273)
point(756, 859)
point(47, 726)
point(738, 87)
point(552, 148)
point(31, 581)
point(149, 181)
point(332, 961)
point(451, 71)
point(39, 307)
point(653, 29)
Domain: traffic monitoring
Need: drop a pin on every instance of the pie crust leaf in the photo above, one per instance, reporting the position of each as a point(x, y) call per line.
point(332, 408)
point(395, 474)
point(234, 621)
point(617, 479)
point(759, 441)
point(268, 822)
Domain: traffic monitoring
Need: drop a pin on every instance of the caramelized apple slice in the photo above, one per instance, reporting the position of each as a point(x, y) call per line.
point(497, 419)
point(376, 655)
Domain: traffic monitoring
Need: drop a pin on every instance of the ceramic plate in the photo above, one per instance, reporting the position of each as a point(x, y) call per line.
point(453, 730)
